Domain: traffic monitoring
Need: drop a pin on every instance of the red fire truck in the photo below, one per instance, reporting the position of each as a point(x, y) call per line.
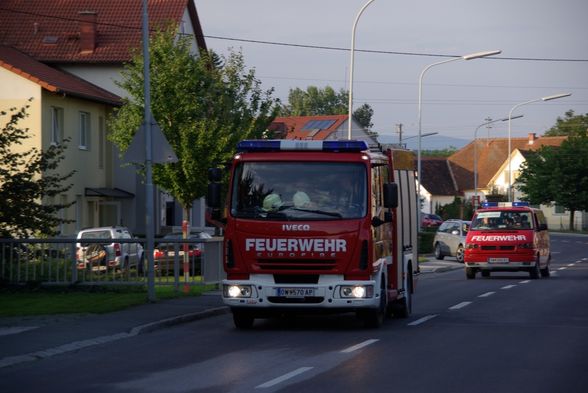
point(317, 225)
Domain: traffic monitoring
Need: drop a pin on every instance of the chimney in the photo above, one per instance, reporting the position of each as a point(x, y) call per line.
point(532, 138)
point(87, 31)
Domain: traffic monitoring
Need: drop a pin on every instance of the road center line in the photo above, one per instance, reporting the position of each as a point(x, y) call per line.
point(562, 268)
point(524, 282)
point(571, 264)
point(359, 346)
point(487, 294)
point(460, 305)
point(422, 320)
point(508, 286)
point(283, 378)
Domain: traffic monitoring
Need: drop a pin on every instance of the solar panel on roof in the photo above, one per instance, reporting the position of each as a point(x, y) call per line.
point(318, 124)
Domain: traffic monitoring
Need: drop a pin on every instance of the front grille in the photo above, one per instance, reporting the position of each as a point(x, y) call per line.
point(296, 264)
point(296, 278)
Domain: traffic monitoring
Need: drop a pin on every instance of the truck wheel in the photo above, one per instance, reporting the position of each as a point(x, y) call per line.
point(374, 318)
point(242, 319)
point(403, 307)
point(459, 253)
point(438, 254)
point(470, 273)
point(545, 272)
point(534, 273)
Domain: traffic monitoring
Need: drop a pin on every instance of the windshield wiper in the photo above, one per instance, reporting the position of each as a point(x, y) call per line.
point(317, 211)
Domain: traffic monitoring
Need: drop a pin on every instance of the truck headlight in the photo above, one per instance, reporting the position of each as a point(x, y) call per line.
point(236, 291)
point(356, 291)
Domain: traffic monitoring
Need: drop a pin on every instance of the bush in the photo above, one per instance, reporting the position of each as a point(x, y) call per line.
point(426, 242)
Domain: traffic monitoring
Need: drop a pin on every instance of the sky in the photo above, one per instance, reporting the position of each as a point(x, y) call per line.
point(544, 46)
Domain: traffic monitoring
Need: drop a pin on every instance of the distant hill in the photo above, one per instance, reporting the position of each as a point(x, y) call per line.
point(433, 142)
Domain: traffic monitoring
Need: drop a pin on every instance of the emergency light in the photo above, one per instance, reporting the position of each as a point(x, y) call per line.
point(505, 204)
point(300, 145)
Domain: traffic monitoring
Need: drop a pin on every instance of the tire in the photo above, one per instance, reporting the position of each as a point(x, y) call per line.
point(535, 273)
point(403, 307)
point(459, 253)
point(438, 253)
point(141, 265)
point(470, 273)
point(374, 318)
point(545, 272)
point(485, 273)
point(242, 319)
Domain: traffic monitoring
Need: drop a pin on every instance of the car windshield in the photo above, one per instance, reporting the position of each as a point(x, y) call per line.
point(504, 219)
point(299, 191)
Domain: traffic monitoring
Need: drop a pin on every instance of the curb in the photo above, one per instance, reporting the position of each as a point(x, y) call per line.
point(141, 329)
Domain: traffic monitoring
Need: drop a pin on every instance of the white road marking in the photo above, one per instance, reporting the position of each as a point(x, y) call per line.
point(359, 346)
point(508, 286)
point(283, 378)
point(562, 268)
point(524, 282)
point(460, 305)
point(487, 294)
point(5, 331)
point(585, 259)
point(571, 264)
point(553, 272)
point(422, 320)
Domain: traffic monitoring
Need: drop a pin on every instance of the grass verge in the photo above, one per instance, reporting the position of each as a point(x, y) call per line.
point(98, 300)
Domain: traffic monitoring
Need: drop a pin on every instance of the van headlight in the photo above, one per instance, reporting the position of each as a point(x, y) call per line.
point(356, 291)
point(237, 291)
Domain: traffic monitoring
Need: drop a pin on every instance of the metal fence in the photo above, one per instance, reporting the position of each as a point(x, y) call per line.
point(66, 261)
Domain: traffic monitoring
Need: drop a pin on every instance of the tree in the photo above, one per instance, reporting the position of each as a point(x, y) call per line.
point(571, 124)
point(28, 182)
point(204, 105)
point(558, 175)
point(316, 101)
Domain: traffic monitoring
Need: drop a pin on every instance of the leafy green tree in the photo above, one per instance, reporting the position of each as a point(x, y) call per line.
point(29, 181)
point(571, 124)
point(316, 101)
point(558, 175)
point(204, 105)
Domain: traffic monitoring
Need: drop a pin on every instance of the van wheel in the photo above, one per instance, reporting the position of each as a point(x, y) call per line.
point(459, 253)
point(242, 319)
point(470, 273)
point(534, 273)
point(438, 254)
point(545, 272)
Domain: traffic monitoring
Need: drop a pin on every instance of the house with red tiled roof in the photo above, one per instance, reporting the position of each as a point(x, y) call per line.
point(67, 55)
point(320, 127)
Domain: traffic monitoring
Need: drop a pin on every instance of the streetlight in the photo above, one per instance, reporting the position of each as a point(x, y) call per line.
point(472, 56)
point(351, 66)
point(476, 153)
point(548, 98)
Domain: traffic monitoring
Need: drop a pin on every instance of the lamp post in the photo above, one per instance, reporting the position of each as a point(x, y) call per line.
point(472, 56)
point(476, 152)
point(351, 65)
point(548, 98)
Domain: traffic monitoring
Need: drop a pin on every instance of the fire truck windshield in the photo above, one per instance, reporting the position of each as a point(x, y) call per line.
point(299, 191)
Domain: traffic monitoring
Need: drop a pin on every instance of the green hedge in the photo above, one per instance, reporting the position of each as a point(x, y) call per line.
point(426, 242)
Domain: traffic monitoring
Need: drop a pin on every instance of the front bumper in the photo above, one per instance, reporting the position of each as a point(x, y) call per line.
point(326, 294)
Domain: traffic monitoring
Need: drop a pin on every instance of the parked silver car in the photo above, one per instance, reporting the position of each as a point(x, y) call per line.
point(450, 239)
point(99, 256)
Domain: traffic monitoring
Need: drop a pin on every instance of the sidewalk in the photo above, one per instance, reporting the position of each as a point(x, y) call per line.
point(25, 339)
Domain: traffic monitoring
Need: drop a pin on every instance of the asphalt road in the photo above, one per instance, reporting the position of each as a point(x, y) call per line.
point(506, 333)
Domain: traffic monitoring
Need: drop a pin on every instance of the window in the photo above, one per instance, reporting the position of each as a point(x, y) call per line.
point(84, 131)
point(101, 141)
point(56, 125)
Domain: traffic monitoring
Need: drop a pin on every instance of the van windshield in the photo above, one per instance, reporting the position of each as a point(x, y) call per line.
point(505, 219)
point(299, 191)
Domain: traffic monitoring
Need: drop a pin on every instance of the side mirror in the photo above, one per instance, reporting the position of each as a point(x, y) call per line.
point(542, 227)
point(390, 195)
point(215, 175)
point(213, 197)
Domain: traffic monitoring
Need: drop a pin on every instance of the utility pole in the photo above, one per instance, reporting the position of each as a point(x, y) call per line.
point(399, 130)
point(488, 127)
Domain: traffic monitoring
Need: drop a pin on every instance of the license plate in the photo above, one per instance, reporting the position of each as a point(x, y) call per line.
point(295, 292)
point(498, 260)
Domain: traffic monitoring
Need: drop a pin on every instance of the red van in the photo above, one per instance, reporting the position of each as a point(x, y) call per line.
point(505, 237)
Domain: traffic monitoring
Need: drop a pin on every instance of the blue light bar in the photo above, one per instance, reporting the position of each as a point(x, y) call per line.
point(505, 204)
point(300, 145)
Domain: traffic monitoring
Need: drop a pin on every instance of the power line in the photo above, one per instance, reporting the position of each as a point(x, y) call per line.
point(307, 46)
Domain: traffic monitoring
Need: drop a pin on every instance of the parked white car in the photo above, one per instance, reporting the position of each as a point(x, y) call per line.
point(109, 254)
point(450, 239)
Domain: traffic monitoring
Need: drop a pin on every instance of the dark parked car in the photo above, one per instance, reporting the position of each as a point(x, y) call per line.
point(430, 220)
point(164, 253)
